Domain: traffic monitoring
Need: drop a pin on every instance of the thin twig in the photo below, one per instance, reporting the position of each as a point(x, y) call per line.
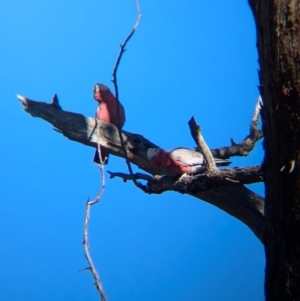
point(88, 257)
point(196, 134)
point(126, 177)
point(114, 80)
point(246, 146)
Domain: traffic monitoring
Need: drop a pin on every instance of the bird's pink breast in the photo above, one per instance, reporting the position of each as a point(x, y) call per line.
point(177, 167)
point(107, 111)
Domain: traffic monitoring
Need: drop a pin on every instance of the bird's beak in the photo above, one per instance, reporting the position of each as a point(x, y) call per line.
point(98, 97)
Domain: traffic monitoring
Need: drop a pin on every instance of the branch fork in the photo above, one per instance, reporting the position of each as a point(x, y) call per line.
point(236, 200)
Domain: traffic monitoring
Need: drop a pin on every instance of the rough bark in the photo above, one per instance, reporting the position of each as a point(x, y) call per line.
point(235, 199)
point(278, 41)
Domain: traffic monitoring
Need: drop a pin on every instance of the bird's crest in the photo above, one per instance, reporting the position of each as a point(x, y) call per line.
point(99, 88)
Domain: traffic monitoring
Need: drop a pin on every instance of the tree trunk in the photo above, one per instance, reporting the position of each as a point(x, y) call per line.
point(278, 41)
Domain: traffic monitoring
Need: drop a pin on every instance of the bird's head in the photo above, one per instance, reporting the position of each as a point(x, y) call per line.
point(152, 153)
point(157, 157)
point(99, 89)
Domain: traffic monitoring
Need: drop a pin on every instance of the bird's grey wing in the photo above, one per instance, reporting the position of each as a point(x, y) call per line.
point(186, 156)
point(190, 157)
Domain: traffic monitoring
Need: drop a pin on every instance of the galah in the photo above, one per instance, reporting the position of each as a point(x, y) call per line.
point(107, 111)
point(180, 160)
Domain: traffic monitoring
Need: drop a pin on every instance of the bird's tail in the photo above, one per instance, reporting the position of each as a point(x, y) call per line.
point(222, 162)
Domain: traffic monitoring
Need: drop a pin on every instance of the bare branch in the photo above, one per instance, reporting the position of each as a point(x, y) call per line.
point(55, 104)
point(246, 146)
point(122, 50)
point(196, 134)
point(126, 177)
point(89, 204)
point(114, 80)
point(197, 182)
point(79, 128)
point(206, 180)
point(236, 200)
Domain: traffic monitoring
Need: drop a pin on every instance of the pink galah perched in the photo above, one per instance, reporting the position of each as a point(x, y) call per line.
point(180, 160)
point(107, 111)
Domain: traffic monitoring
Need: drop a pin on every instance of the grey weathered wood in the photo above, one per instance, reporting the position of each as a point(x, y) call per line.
point(236, 200)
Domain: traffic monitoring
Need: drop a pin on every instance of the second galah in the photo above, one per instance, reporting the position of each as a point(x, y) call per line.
point(180, 160)
point(107, 111)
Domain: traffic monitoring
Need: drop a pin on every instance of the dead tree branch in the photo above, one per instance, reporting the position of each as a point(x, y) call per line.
point(199, 182)
point(128, 177)
point(206, 181)
point(236, 200)
point(114, 80)
point(88, 257)
point(246, 146)
point(56, 105)
point(197, 136)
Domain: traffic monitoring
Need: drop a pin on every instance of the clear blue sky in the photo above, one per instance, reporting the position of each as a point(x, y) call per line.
point(188, 58)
